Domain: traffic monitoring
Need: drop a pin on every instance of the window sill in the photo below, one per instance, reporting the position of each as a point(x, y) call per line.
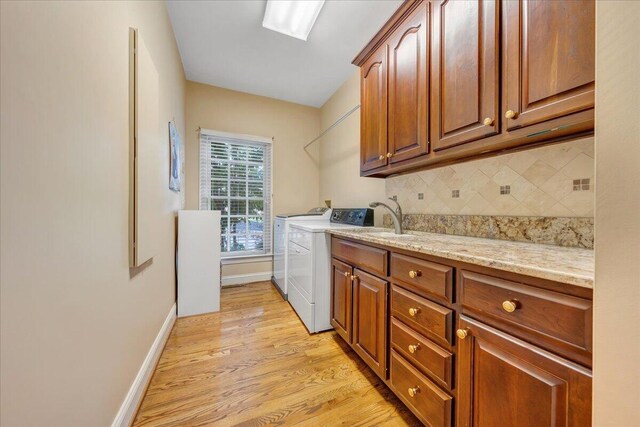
point(245, 259)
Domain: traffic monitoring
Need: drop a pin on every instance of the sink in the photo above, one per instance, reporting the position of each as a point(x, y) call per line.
point(388, 235)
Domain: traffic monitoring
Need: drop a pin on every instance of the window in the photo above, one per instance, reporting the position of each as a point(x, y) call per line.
point(235, 178)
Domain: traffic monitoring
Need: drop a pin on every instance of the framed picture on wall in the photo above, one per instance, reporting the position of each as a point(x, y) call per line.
point(174, 140)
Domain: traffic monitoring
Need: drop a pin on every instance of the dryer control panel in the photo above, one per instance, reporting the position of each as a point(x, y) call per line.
point(361, 217)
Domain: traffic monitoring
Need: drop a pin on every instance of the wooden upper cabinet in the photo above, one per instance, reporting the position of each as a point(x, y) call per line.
point(503, 381)
point(373, 113)
point(549, 59)
point(450, 80)
point(408, 87)
point(465, 71)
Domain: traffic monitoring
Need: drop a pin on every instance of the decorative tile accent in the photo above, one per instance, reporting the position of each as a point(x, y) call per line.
point(540, 183)
point(581, 184)
point(568, 232)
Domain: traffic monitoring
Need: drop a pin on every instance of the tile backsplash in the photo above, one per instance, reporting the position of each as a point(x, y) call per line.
point(556, 181)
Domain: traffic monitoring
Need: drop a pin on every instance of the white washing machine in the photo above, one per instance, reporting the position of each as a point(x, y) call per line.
point(309, 265)
point(281, 242)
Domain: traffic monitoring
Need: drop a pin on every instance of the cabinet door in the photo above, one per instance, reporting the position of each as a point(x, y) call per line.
point(503, 381)
point(550, 73)
point(408, 87)
point(373, 113)
point(370, 320)
point(341, 299)
point(465, 71)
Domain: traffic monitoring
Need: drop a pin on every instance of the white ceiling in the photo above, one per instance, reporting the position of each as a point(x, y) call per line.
point(223, 43)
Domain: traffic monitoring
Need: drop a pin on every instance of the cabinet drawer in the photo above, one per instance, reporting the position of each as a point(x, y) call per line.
point(537, 311)
point(426, 355)
point(426, 317)
point(423, 276)
point(371, 259)
point(430, 404)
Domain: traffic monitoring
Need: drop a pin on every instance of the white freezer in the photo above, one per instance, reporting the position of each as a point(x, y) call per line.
point(198, 262)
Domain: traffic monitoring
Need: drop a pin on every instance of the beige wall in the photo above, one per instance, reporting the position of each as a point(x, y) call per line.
point(295, 171)
point(246, 272)
point(75, 325)
point(617, 288)
point(340, 179)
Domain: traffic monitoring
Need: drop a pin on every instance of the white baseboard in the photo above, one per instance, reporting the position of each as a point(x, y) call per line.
point(129, 407)
point(241, 279)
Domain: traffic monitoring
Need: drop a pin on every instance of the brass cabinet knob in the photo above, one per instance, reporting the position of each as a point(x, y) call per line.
point(346, 274)
point(413, 348)
point(462, 333)
point(414, 311)
point(354, 277)
point(488, 121)
point(415, 273)
point(509, 306)
point(510, 114)
point(381, 157)
point(413, 391)
point(389, 155)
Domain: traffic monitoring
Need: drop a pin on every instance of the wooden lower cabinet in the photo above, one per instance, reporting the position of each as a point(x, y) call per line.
point(425, 399)
point(503, 381)
point(341, 299)
point(422, 353)
point(359, 313)
point(457, 356)
point(370, 320)
point(423, 315)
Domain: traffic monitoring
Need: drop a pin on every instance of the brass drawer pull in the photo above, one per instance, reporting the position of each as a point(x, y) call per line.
point(413, 391)
point(510, 114)
point(346, 274)
point(413, 311)
point(381, 157)
point(509, 306)
point(462, 333)
point(487, 121)
point(413, 348)
point(354, 277)
point(415, 273)
point(389, 155)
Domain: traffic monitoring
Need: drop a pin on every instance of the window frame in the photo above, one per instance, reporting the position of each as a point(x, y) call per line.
point(243, 139)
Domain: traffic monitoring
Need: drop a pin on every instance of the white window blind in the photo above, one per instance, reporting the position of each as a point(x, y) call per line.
point(235, 178)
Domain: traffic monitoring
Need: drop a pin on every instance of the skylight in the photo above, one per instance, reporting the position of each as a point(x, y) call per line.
point(291, 17)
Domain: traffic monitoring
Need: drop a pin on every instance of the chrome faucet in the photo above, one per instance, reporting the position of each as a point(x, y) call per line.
point(396, 216)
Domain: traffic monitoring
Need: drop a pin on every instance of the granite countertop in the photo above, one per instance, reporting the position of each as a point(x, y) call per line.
point(573, 266)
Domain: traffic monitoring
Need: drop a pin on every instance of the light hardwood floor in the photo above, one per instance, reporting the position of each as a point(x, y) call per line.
point(255, 364)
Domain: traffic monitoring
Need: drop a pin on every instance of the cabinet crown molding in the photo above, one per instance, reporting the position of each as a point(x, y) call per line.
point(399, 15)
